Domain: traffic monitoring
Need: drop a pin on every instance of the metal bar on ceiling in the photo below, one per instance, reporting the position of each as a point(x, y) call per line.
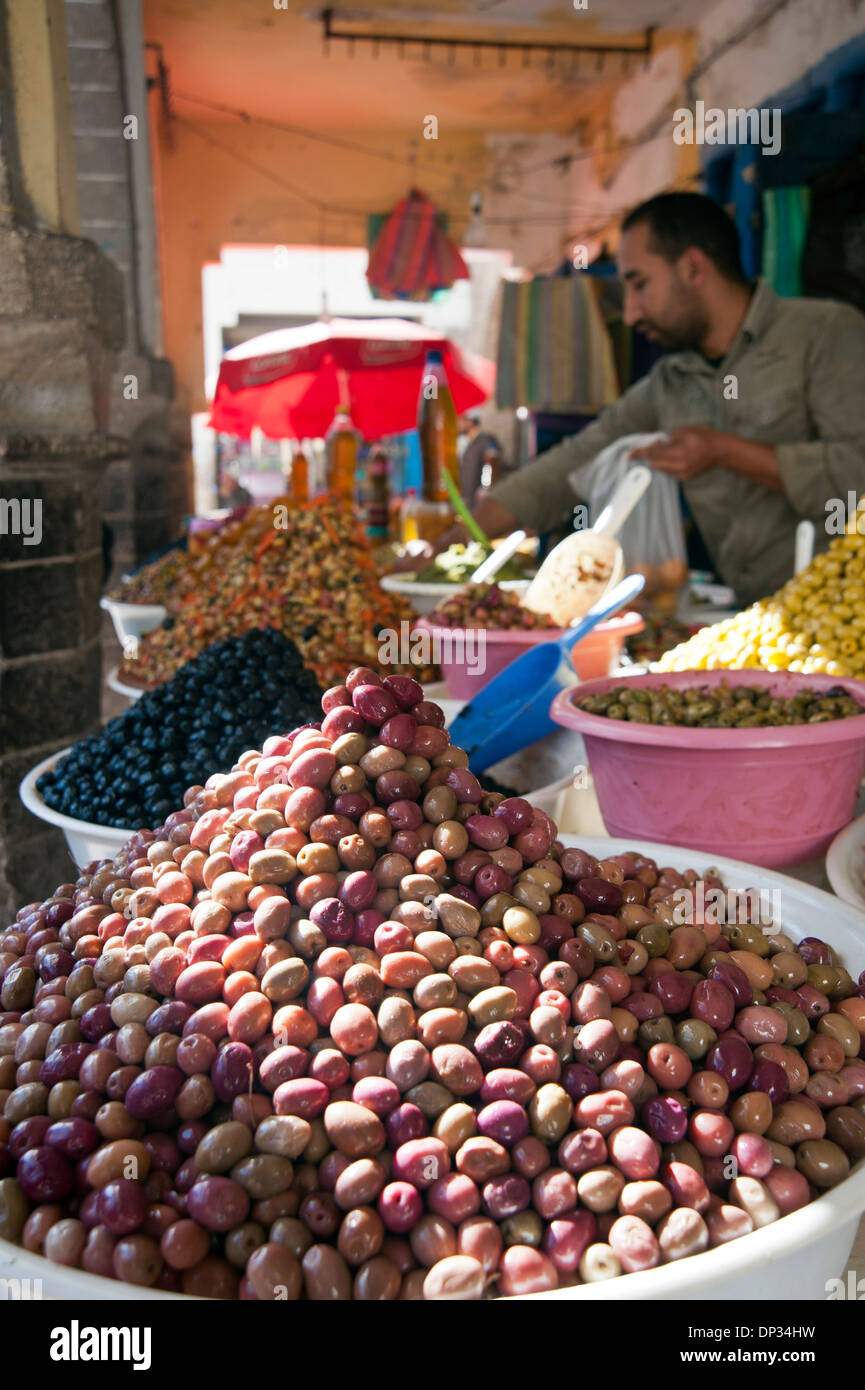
point(453, 42)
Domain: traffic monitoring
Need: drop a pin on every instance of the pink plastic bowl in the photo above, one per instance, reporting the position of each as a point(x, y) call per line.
point(596, 655)
point(770, 796)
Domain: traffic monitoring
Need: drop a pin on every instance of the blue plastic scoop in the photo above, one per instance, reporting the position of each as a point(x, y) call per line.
point(514, 709)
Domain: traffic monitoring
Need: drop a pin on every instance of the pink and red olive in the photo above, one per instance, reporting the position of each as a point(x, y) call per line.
point(499, 1044)
point(365, 923)
point(685, 1185)
point(753, 1154)
point(306, 1098)
point(814, 951)
point(665, 1118)
point(733, 978)
point(407, 692)
point(64, 1063)
point(579, 1080)
point(29, 1134)
point(713, 1003)
point(525, 1270)
point(582, 1150)
point(122, 1206)
point(506, 1195)
point(421, 1162)
point(334, 697)
point(378, 1094)
point(55, 963)
point(596, 1044)
point(464, 784)
point(491, 879)
point(428, 715)
point(153, 1092)
point(334, 918)
point(455, 1197)
point(233, 1070)
point(567, 1237)
point(44, 1175)
point(74, 1138)
point(599, 895)
point(96, 1022)
point(400, 1206)
point(170, 1017)
point(503, 1120)
point(358, 891)
point(342, 720)
point(507, 1083)
point(405, 1122)
point(374, 703)
point(772, 1079)
point(516, 814)
point(674, 991)
point(217, 1203)
point(732, 1058)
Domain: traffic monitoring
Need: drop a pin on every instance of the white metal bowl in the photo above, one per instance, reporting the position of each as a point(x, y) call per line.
point(132, 620)
point(427, 596)
point(86, 841)
point(845, 863)
point(793, 1258)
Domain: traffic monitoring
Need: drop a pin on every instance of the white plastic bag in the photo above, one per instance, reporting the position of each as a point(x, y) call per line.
point(653, 534)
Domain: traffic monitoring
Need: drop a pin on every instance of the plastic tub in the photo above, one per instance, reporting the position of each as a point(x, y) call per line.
point(597, 654)
point(792, 1258)
point(132, 620)
point(774, 796)
point(424, 597)
point(86, 841)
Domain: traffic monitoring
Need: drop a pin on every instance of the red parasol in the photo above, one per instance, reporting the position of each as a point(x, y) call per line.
point(290, 382)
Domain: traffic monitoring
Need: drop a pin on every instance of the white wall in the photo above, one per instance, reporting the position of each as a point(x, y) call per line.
point(769, 59)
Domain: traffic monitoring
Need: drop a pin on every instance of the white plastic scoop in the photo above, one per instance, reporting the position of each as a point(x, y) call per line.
point(499, 558)
point(586, 565)
point(804, 552)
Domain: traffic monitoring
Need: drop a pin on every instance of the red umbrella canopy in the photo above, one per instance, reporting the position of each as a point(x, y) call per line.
point(290, 382)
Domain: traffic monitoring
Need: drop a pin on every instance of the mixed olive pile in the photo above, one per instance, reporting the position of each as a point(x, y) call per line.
point(487, 606)
point(348, 1026)
point(305, 569)
point(137, 768)
point(721, 706)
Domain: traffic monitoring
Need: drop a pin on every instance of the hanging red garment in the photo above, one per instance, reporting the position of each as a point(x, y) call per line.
point(412, 256)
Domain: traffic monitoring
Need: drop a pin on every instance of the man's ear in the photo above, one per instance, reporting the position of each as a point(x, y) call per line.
point(693, 267)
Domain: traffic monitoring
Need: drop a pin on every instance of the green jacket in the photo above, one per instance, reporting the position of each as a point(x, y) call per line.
point(794, 377)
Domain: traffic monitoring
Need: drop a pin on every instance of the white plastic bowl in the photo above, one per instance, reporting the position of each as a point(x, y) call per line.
point(845, 863)
point(132, 620)
point(425, 597)
point(791, 1259)
point(86, 841)
point(113, 681)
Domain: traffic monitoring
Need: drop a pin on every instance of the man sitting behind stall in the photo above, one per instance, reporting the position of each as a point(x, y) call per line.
point(763, 399)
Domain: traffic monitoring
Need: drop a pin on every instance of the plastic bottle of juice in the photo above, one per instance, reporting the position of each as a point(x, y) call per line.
point(300, 476)
point(437, 429)
point(341, 455)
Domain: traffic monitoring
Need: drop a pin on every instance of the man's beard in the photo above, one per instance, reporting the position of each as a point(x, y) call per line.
point(686, 335)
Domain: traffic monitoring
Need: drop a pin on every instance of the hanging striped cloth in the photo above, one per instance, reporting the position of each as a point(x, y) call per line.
point(412, 256)
point(555, 352)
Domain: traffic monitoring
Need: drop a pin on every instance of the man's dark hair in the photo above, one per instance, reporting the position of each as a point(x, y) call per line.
point(677, 221)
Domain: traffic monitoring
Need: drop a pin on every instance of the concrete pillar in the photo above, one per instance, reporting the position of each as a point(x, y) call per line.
point(148, 492)
point(61, 324)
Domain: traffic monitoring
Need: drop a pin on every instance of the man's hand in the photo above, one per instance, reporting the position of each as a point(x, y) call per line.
point(685, 453)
